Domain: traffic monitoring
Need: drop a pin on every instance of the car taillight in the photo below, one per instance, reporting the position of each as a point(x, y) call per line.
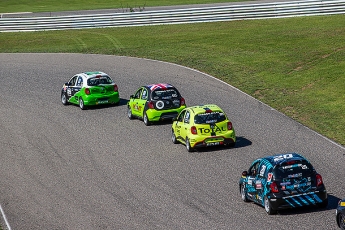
point(87, 91)
point(116, 88)
point(151, 105)
point(274, 187)
point(229, 125)
point(318, 180)
point(182, 101)
point(193, 130)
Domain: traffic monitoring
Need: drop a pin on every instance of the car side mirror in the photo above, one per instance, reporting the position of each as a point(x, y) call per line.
point(244, 173)
point(131, 97)
point(174, 119)
point(67, 83)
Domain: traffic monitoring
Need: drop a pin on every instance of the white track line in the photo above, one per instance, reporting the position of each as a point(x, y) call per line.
point(5, 219)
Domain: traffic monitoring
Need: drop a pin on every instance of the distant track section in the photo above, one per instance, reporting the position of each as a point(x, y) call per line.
point(176, 16)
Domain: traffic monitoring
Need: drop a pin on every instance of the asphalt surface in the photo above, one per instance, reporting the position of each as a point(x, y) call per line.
point(64, 168)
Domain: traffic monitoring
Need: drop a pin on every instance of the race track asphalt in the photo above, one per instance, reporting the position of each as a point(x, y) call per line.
point(64, 168)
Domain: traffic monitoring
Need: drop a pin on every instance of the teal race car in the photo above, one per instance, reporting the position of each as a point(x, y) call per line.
point(89, 89)
point(283, 181)
point(155, 102)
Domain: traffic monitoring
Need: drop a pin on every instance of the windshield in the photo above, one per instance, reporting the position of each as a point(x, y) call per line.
point(99, 80)
point(164, 94)
point(293, 170)
point(208, 118)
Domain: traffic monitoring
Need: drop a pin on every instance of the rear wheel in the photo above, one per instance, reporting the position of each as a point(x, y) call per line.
point(173, 137)
point(81, 103)
point(129, 113)
point(243, 194)
point(64, 99)
point(189, 148)
point(146, 120)
point(341, 221)
point(268, 207)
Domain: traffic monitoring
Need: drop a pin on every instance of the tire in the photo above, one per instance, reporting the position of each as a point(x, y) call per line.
point(189, 148)
point(173, 137)
point(243, 194)
point(64, 99)
point(341, 221)
point(324, 204)
point(268, 207)
point(129, 113)
point(146, 120)
point(81, 103)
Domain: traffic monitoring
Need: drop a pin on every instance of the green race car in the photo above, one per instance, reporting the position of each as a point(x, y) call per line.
point(90, 88)
point(202, 126)
point(156, 102)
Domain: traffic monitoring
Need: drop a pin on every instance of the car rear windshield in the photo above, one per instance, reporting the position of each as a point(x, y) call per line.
point(99, 80)
point(164, 94)
point(209, 118)
point(293, 170)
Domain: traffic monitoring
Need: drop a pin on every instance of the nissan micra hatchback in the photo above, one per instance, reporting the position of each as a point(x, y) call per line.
point(90, 88)
point(203, 126)
point(155, 102)
point(283, 181)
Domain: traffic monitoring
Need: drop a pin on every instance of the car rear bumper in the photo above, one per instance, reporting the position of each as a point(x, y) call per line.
point(101, 99)
point(298, 200)
point(161, 115)
point(215, 141)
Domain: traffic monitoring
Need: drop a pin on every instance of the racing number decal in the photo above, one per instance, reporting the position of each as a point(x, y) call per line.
point(69, 92)
point(282, 157)
point(178, 129)
point(137, 107)
point(262, 171)
point(269, 177)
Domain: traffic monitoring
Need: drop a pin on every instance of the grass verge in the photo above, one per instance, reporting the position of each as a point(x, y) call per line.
point(8, 6)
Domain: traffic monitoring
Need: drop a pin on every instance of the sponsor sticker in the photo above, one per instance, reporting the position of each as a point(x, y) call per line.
point(258, 184)
point(295, 175)
point(250, 180)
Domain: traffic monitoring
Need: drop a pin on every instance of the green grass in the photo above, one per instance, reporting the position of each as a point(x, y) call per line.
point(296, 65)
point(10, 6)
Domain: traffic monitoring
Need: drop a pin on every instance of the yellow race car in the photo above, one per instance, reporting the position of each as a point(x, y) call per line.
point(203, 126)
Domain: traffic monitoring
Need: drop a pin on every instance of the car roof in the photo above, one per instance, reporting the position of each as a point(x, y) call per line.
point(279, 159)
point(203, 108)
point(161, 86)
point(93, 74)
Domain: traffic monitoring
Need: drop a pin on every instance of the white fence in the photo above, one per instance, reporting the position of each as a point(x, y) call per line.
point(189, 15)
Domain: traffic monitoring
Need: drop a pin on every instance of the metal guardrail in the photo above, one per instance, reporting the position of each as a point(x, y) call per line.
point(176, 16)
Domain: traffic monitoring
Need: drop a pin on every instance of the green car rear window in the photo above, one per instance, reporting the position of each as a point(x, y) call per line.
point(105, 80)
point(209, 118)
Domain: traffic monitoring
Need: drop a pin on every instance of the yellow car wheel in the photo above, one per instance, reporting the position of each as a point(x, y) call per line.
point(189, 148)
